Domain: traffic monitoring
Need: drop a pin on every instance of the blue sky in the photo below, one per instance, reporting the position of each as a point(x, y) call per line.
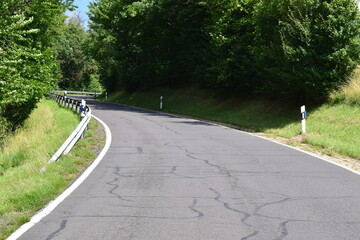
point(82, 9)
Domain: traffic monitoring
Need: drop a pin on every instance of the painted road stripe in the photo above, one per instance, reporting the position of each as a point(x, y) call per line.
point(248, 133)
point(52, 205)
point(300, 150)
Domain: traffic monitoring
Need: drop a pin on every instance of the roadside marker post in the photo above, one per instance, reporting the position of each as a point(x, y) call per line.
point(303, 119)
point(161, 102)
point(82, 108)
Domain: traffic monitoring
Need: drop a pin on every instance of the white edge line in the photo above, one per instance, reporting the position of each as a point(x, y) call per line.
point(300, 150)
point(251, 134)
point(53, 204)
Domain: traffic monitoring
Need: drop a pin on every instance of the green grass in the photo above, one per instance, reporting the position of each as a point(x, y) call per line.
point(30, 143)
point(349, 93)
point(27, 181)
point(331, 128)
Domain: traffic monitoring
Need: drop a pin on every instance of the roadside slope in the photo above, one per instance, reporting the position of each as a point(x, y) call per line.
point(27, 181)
point(331, 128)
point(170, 177)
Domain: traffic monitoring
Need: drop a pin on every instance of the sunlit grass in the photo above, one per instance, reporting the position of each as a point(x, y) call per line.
point(27, 181)
point(31, 144)
point(349, 93)
point(332, 128)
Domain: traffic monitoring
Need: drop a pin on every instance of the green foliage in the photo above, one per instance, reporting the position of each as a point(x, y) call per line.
point(70, 53)
point(232, 39)
point(78, 68)
point(307, 48)
point(27, 181)
point(281, 48)
point(28, 68)
point(94, 84)
point(142, 44)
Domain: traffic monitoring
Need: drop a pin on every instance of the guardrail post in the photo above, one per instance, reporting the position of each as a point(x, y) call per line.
point(79, 132)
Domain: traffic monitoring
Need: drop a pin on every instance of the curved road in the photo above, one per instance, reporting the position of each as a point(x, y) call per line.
point(167, 177)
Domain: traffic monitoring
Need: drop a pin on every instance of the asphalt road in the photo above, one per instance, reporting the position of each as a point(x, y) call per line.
point(167, 177)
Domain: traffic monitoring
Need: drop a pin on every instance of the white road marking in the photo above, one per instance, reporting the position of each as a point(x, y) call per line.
point(52, 205)
point(300, 150)
point(268, 139)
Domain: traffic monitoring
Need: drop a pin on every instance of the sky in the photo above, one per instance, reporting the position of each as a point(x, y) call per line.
point(82, 9)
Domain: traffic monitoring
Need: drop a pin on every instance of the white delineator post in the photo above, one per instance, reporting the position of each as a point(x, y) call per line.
point(82, 108)
point(161, 102)
point(303, 119)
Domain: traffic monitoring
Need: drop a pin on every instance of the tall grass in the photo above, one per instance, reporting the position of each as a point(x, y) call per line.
point(27, 181)
point(31, 143)
point(349, 93)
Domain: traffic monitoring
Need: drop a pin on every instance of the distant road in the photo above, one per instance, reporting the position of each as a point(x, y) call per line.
point(168, 177)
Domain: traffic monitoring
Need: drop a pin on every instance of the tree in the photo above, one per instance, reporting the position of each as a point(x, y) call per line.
point(71, 54)
point(306, 48)
point(28, 68)
point(279, 48)
point(144, 44)
point(232, 34)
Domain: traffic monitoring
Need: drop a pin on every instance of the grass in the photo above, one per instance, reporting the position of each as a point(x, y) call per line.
point(331, 128)
point(47, 120)
point(349, 93)
point(27, 181)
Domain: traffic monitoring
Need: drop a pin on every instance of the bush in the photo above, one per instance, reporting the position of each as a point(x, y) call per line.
point(307, 47)
point(28, 68)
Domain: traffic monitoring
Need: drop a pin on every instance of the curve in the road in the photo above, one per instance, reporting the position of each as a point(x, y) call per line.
point(170, 177)
point(52, 205)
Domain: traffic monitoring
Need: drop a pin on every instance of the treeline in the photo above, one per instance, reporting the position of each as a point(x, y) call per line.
point(78, 69)
point(300, 49)
point(40, 50)
point(28, 64)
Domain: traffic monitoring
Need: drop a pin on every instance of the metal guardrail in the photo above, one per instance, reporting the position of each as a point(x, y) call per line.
point(85, 112)
point(77, 92)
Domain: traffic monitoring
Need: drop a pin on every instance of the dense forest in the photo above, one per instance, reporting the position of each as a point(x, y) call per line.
point(299, 49)
point(40, 49)
point(290, 49)
point(28, 64)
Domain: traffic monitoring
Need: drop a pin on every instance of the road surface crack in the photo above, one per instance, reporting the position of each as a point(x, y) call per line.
point(163, 126)
point(228, 207)
point(192, 207)
point(250, 236)
point(116, 186)
point(62, 227)
point(283, 230)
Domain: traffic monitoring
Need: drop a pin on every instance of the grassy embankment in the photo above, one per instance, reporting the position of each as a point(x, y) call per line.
point(27, 181)
point(333, 128)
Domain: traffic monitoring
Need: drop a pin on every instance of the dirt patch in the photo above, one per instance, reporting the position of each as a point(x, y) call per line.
point(352, 121)
point(298, 142)
point(100, 138)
